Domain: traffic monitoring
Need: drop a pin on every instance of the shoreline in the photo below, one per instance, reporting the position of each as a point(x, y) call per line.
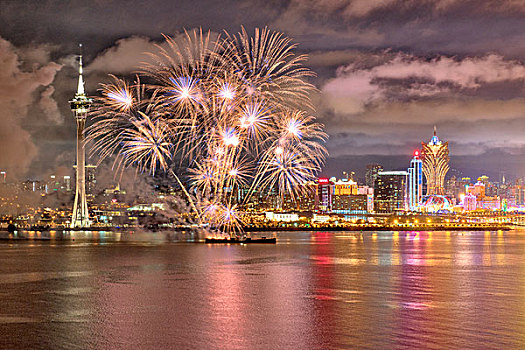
point(386, 228)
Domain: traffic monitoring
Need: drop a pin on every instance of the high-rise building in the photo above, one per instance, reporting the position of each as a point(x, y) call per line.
point(324, 194)
point(435, 164)
point(80, 105)
point(519, 191)
point(371, 173)
point(415, 182)
point(344, 187)
point(369, 192)
point(350, 204)
point(390, 191)
point(345, 198)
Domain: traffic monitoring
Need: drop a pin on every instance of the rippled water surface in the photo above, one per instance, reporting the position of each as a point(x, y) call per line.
point(313, 290)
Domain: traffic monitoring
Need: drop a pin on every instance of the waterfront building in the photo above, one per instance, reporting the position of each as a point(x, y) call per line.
point(342, 188)
point(285, 217)
point(371, 173)
point(343, 197)
point(80, 105)
point(435, 164)
point(317, 218)
point(469, 202)
point(349, 198)
point(390, 191)
point(324, 194)
point(350, 204)
point(369, 192)
point(519, 194)
point(489, 203)
point(415, 182)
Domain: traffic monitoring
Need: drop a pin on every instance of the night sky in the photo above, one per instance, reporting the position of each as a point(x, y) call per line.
point(387, 72)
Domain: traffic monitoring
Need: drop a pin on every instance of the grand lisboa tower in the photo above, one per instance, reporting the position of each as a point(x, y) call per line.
point(435, 164)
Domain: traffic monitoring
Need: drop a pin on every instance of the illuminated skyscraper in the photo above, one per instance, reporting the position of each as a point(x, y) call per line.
point(324, 194)
point(415, 182)
point(390, 191)
point(435, 164)
point(80, 105)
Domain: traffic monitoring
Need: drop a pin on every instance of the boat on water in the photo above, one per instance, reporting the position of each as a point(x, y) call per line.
point(242, 239)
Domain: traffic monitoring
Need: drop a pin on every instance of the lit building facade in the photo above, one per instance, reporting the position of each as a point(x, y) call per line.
point(286, 217)
point(469, 202)
point(324, 194)
point(343, 197)
point(390, 191)
point(369, 192)
point(342, 188)
point(350, 204)
point(435, 164)
point(415, 182)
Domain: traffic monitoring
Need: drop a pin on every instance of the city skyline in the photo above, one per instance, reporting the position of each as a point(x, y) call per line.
point(262, 174)
point(380, 91)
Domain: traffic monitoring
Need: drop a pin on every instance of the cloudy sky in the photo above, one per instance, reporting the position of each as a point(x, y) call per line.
point(387, 71)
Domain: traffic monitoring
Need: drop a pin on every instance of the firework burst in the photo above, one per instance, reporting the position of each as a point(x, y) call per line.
point(230, 110)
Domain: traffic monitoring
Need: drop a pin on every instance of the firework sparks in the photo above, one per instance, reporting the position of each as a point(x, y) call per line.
point(119, 95)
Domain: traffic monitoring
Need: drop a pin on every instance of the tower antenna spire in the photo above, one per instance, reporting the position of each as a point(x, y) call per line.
point(80, 88)
point(435, 131)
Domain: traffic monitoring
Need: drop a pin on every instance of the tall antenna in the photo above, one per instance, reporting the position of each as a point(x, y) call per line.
point(80, 88)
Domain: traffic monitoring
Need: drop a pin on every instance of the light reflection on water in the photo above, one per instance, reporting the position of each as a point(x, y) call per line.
point(313, 290)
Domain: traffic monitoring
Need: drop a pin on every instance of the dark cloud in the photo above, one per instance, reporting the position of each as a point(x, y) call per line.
point(18, 91)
